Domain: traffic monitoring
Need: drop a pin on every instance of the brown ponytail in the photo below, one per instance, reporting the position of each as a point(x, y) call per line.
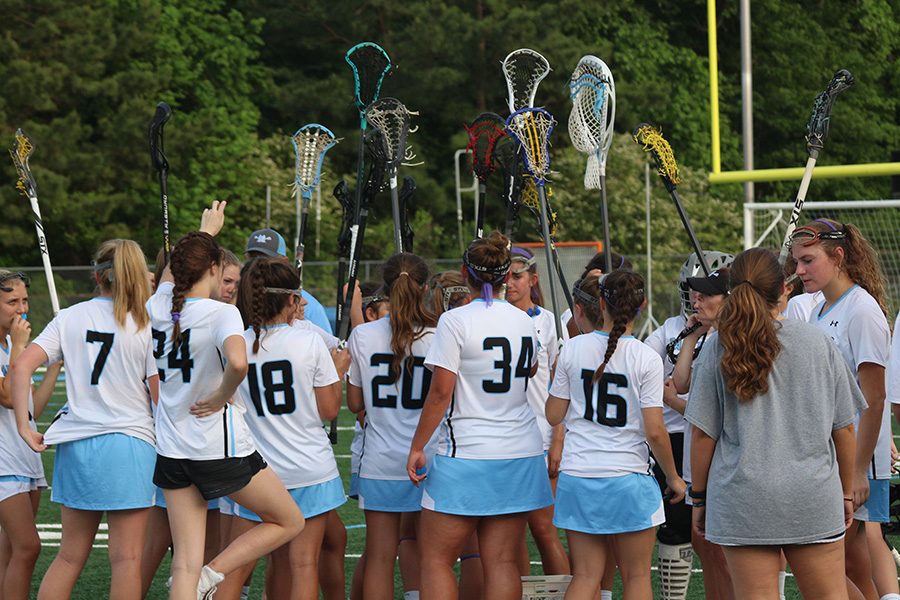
point(405, 275)
point(440, 297)
point(487, 263)
point(747, 330)
point(122, 270)
point(623, 292)
point(258, 306)
point(192, 256)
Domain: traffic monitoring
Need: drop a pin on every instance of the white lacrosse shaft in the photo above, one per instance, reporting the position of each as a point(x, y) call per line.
point(798, 205)
point(45, 253)
point(545, 232)
point(395, 208)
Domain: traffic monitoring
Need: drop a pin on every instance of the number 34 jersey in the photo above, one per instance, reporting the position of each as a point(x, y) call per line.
point(189, 373)
point(605, 436)
point(392, 407)
point(279, 395)
point(492, 350)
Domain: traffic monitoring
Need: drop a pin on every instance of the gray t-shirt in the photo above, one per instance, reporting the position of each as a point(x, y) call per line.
point(774, 474)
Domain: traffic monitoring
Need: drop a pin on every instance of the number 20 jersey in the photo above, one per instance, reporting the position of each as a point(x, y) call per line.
point(392, 409)
point(492, 351)
point(190, 373)
point(605, 426)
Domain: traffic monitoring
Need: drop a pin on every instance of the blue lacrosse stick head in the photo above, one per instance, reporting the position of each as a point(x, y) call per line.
point(531, 128)
point(310, 142)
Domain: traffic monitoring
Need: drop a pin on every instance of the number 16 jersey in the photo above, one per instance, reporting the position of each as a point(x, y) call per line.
point(492, 350)
point(605, 426)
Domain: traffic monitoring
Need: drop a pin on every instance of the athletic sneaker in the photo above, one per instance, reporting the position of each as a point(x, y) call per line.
point(209, 579)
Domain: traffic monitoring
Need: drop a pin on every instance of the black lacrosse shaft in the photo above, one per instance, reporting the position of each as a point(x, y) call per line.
point(604, 214)
point(161, 164)
point(545, 231)
point(357, 203)
point(395, 209)
point(479, 221)
point(562, 276)
point(344, 324)
point(687, 226)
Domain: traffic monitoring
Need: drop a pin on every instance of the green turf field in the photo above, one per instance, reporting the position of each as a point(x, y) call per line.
point(94, 582)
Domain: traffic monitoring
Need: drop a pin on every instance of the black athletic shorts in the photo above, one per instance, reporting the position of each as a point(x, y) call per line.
point(677, 528)
point(214, 478)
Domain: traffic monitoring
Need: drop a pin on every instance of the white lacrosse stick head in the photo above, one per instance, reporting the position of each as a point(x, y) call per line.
point(311, 142)
point(593, 93)
point(524, 69)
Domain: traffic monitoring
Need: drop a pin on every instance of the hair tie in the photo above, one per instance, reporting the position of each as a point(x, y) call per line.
point(176, 316)
point(403, 273)
point(746, 281)
point(825, 222)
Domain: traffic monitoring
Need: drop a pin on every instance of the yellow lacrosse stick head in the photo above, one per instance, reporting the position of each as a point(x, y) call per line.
point(530, 199)
point(21, 150)
point(651, 140)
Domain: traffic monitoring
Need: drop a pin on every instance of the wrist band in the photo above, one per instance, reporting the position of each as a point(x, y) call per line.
point(846, 499)
point(696, 495)
point(698, 503)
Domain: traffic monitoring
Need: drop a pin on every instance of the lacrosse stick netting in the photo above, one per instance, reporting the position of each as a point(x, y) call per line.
point(370, 64)
point(311, 143)
point(593, 94)
point(531, 127)
point(524, 69)
point(484, 132)
point(508, 158)
point(20, 152)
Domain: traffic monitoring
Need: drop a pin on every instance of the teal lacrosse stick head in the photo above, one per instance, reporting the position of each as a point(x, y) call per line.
point(370, 64)
point(311, 142)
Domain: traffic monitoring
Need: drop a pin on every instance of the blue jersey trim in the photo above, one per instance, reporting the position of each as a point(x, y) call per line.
point(606, 335)
point(844, 295)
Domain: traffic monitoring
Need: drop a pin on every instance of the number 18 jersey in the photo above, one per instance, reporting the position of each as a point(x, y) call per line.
point(605, 436)
point(492, 350)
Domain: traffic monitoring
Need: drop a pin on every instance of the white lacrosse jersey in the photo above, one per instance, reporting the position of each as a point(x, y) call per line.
point(107, 367)
point(356, 447)
point(547, 351)
point(801, 306)
point(605, 426)
point(893, 371)
point(331, 342)
point(392, 407)
point(661, 337)
point(860, 331)
point(564, 319)
point(492, 350)
point(16, 457)
point(279, 397)
point(190, 373)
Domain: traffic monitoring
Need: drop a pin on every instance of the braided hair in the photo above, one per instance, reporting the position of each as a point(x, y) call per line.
point(266, 284)
point(193, 255)
point(623, 294)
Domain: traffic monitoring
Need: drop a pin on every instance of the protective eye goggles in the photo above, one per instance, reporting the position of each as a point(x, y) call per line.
point(368, 301)
point(10, 276)
point(807, 236)
point(447, 293)
point(274, 290)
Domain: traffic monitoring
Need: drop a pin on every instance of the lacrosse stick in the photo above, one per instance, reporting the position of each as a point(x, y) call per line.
point(311, 142)
point(391, 118)
point(816, 132)
point(506, 155)
point(376, 147)
point(524, 69)
point(652, 141)
point(484, 132)
point(532, 127)
point(531, 201)
point(158, 156)
point(345, 241)
point(20, 152)
point(593, 94)
point(406, 195)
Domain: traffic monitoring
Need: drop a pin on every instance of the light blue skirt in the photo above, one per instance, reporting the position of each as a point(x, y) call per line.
point(608, 505)
point(472, 487)
point(159, 500)
point(354, 486)
point(877, 508)
point(113, 471)
point(385, 495)
point(313, 500)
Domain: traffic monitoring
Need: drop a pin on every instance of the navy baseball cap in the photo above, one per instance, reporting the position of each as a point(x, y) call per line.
point(268, 242)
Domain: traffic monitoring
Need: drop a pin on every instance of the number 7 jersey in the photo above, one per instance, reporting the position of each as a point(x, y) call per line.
point(492, 351)
point(189, 373)
point(605, 426)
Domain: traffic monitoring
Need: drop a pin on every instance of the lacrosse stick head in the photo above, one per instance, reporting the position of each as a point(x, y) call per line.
point(593, 93)
point(651, 140)
point(377, 151)
point(390, 117)
point(524, 69)
point(157, 151)
point(311, 142)
point(508, 158)
point(531, 127)
point(345, 199)
point(20, 152)
point(819, 122)
point(370, 64)
point(532, 202)
point(484, 132)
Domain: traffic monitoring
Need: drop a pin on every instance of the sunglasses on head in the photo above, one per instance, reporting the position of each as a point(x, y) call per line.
point(9, 277)
point(807, 236)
